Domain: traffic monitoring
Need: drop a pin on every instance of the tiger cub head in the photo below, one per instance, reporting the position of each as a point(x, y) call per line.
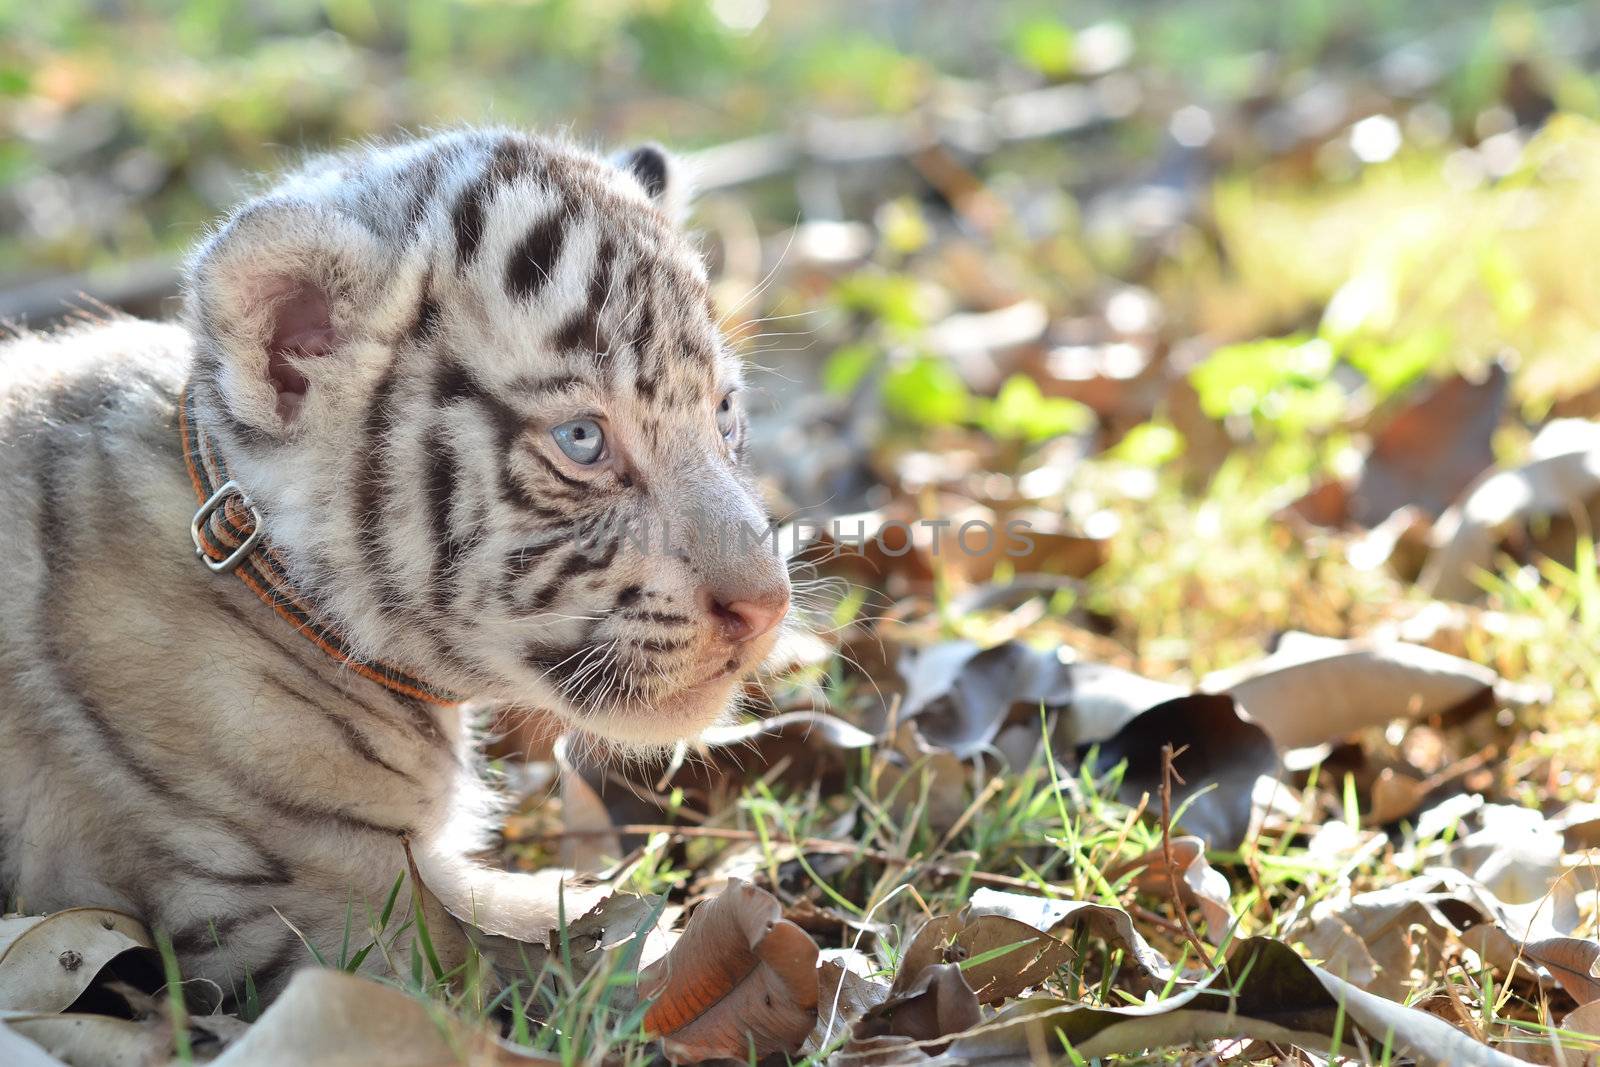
point(476, 387)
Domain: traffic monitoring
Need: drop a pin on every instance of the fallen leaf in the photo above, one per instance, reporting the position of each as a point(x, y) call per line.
point(327, 1018)
point(810, 748)
point(1002, 955)
point(939, 784)
point(1340, 949)
point(1199, 884)
point(83, 1040)
point(1432, 450)
point(1316, 689)
point(881, 1052)
point(1149, 968)
point(807, 724)
point(1421, 460)
point(1573, 962)
point(740, 979)
point(1375, 938)
point(1266, 992)
point(883, 547)
point(936, 1003)
point(1584, 1019)
point(843, 996)
point(1219, 754)
point(959, 695)
point(517, 937)
point(1579, 824)
point(1041, 913)
point(1044, 546)
point(19, 1051)
point(610, 924)
point(1514, 853)
point(1468, 535)
point(617, 920)
point(1378, 938)
point(1395, 795)
point(48, 961)
point(1105, 699)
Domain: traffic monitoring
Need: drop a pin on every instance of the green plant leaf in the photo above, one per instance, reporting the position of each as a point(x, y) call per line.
point(927, 391)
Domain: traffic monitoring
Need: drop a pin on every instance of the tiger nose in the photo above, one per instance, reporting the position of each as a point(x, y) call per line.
point(743, 616)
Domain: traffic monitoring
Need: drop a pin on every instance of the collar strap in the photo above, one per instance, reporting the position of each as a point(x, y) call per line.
point(228, 537)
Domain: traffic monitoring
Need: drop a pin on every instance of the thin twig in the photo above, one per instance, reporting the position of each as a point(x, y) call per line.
point(1169, 773)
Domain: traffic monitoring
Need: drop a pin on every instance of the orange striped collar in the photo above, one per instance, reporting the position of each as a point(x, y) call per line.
point(228, 537)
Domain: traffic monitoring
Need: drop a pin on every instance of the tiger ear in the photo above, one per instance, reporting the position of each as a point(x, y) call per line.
point(660, 175)
point(283, 286)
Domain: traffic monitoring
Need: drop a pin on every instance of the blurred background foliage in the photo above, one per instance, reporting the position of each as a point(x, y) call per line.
point(127, 125)
point(1349, 172)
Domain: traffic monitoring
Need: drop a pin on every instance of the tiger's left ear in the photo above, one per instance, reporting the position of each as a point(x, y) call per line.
point(660, 175)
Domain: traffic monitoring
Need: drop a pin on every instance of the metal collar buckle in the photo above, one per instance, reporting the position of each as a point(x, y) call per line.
point(216, 500)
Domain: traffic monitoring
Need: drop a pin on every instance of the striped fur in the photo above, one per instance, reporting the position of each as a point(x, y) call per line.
point(171, 746)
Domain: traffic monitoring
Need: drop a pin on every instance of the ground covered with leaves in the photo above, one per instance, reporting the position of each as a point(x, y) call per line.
point(1260, 726)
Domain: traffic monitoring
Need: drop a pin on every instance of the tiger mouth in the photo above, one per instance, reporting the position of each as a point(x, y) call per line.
point(659, 720)
point(634, 697)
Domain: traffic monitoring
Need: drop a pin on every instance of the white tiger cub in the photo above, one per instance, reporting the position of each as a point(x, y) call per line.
point(256, 561)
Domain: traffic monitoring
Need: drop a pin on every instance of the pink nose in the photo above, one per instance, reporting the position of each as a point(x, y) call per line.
point(748, 617)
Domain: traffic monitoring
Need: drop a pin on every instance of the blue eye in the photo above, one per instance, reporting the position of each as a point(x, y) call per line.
point(581, 439)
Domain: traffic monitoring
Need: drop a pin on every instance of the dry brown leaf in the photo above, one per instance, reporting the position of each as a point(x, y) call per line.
point(1220, 755)
point(1515, 853)
point(46, 962)
point(19, 1051)
point(327, 1018)
point(1266, 992)
point(1032, 956)
point(1041, 913)
point(87, 1040)
point(740, 978)
point(829, 729)
point(1027, 956)
point(1147, 967)
point(881, 1052)
point(1377, 937)
point(615, 921)
point(935, 1004)
point(1574, 962)
point(1432, 450)
point(1048, 547)
point(1579, 825)
point(1339, 949)
point(926, 783)
point(1423, 457)
point(1584, 1019)
point(1199, 884)
point(960, 698)
point(844, 995)
point(1316, 689)
point(927, 948)
point(1556, 483)
point(1395, 795)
